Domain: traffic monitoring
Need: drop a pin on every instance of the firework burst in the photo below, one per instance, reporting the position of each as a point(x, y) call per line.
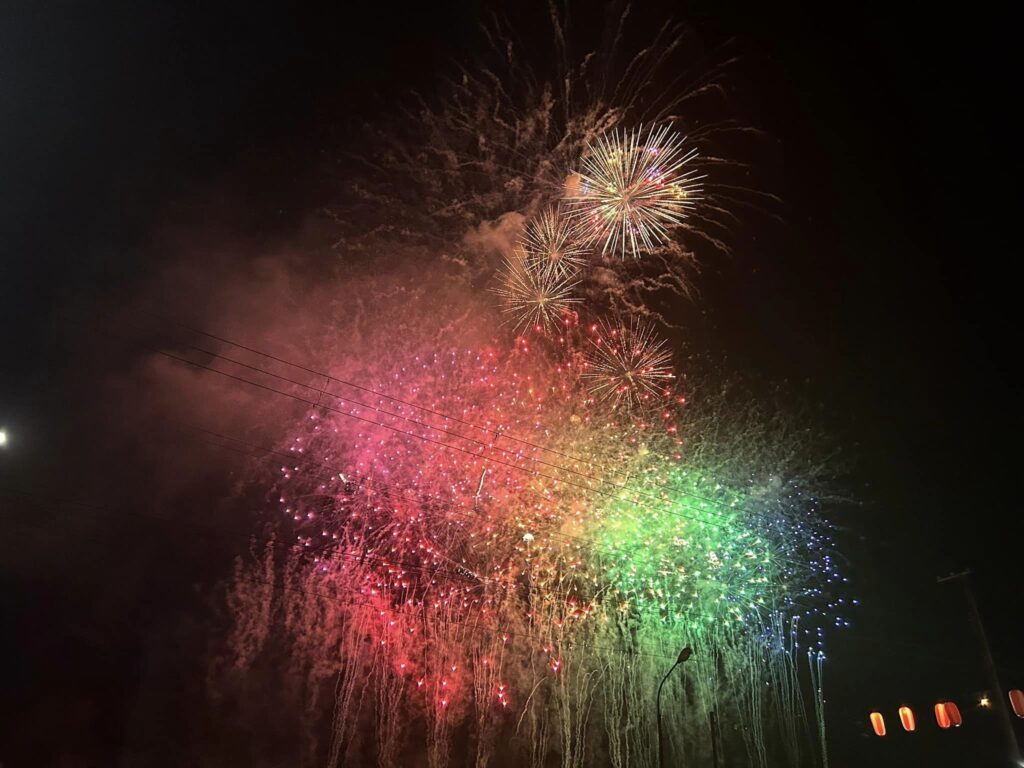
point(535, 294)
point(553, 240)
point(499, 542)
point(628, 364)
point(633, 188)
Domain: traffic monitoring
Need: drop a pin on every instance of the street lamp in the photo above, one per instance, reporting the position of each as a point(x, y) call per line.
point(684, 654)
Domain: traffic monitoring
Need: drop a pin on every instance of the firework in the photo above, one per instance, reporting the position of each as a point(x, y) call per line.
point(633, 188)
point(503, 543)
point(535, 294)
point(476, 535)
point(628, 364)
point(553, 240)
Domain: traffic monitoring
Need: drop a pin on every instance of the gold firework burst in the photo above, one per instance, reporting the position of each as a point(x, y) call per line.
point(535, 294)
point(554, 240)
point(628, 364)
point(633, 188)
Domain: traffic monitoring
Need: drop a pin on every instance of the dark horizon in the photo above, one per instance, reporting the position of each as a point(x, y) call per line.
point(874, 294)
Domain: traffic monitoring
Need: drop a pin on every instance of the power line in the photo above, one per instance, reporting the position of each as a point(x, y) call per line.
point(317, 404)
point(447, 417)
point(386, 426)
point(440, 443)
point(368, 390)
point(483, 445)
point(479, 455)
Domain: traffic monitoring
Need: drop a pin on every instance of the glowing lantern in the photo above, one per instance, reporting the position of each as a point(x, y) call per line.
point(953, 712)
point(1017, 702)
point(942, 716)
point(907, 719)
point(878, 723)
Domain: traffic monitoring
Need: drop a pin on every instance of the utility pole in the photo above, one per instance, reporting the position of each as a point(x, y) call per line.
point(1002, 712)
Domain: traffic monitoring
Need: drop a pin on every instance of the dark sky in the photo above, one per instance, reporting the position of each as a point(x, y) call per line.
point(888, 296)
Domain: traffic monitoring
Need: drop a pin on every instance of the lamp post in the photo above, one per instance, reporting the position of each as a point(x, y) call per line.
point(684, 654)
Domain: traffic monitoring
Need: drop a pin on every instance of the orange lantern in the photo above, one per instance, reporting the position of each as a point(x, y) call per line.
point(907, 719)
point(942, 716)
point(1017, 702)
point(878, 723)
point(953, 711)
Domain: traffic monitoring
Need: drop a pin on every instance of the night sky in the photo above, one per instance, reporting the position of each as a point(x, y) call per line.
point(884, 297)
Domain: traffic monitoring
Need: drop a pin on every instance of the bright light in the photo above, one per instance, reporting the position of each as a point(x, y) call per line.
point(3, 438)
point(985, 702)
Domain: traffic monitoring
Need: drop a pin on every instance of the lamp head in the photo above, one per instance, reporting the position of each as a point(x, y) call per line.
point(684, 654)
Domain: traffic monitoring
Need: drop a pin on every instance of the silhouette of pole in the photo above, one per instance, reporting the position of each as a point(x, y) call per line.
point(990, 665)
point(684, 654)
point(713, 723)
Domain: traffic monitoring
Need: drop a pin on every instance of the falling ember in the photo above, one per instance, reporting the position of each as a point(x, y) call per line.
point(633, 188)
